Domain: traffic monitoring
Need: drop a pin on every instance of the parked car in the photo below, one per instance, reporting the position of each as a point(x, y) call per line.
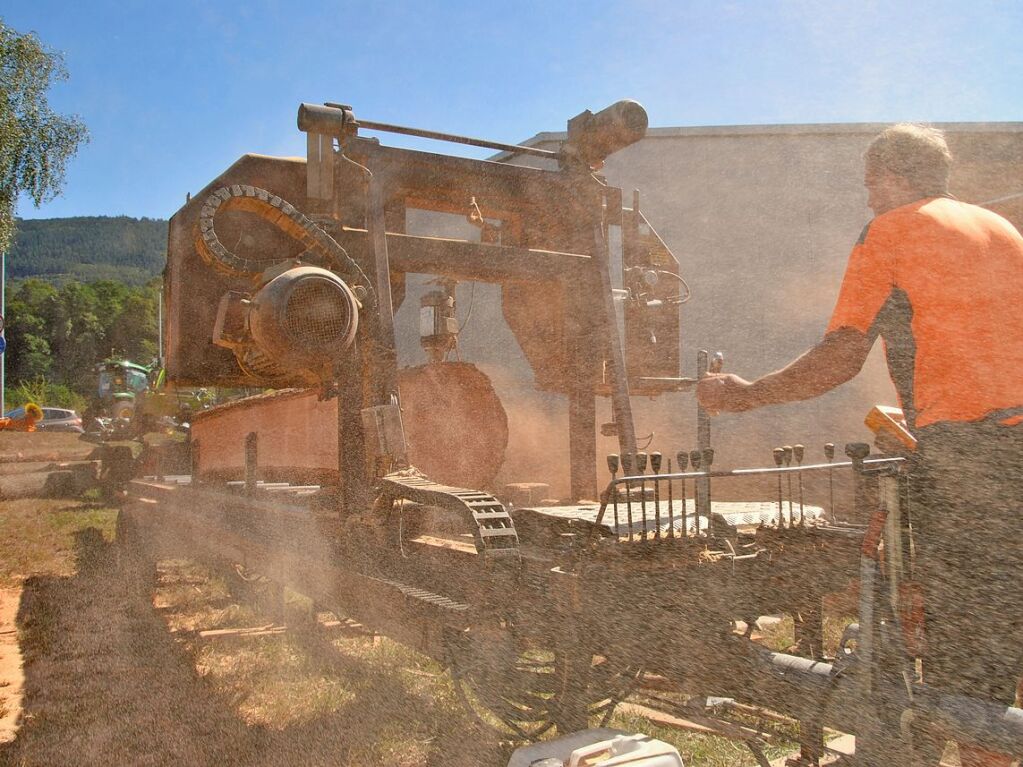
point(54, 419)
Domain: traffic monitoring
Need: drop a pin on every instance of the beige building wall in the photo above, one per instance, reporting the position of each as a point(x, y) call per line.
point(761, 219)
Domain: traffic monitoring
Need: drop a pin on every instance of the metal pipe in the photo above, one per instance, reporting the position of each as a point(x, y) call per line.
point(993, 726)
point(621, 403)
point(455, 139)
point(330, 119)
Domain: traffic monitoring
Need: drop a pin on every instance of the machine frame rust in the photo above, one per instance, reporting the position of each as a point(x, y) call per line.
point(516, 601)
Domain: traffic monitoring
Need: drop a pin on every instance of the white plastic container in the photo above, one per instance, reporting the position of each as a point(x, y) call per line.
point(633, 750)
point(598, 748)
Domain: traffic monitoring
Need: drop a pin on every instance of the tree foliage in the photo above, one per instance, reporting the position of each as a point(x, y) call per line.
point(35, 142)
point(89, 248)
point(59, 334)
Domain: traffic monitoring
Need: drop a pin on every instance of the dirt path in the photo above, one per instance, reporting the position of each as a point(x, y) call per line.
point(12, 677)
point(104, 682)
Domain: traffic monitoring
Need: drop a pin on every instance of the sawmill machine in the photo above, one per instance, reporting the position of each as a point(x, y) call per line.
point(370, 488)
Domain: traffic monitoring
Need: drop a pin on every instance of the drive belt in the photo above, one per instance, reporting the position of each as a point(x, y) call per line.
point(493, 528)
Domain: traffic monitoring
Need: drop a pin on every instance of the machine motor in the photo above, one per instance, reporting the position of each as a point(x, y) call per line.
point(301, 321)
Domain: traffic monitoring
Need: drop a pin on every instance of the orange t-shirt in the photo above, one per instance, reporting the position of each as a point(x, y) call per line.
point(942, 282)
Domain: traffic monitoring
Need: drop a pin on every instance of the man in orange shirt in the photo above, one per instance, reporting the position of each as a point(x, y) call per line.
point(942, 283)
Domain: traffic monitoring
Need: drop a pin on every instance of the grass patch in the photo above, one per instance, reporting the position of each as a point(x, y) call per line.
point(38, 536)
point(393, 705)
point(781, 636)
point(402, 705)
point(696, 750)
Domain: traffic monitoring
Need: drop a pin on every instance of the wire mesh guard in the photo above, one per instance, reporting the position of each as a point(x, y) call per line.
point(317, 313)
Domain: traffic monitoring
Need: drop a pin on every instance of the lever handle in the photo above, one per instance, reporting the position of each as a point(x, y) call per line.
point(641, 463)
point(683, 460)
point(627, 463)
point(613, 463)
point(655, 462)
point(717, 363)
point(708, 456)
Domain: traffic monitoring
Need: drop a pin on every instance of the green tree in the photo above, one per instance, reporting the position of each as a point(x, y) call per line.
point(35, 141)
point(76, 336)
point(27, 308)
point(134, 334)
point(62, 333)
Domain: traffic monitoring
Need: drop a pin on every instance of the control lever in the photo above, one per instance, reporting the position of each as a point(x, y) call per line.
point(696, 461)
point(641, 463)
point(797, 453)
point(683, 463)
point(829, 454)
point(612, 464)
point(787, 453)
point(655, 467)
point(655, 462)
point(704, 367)
point(779, 459)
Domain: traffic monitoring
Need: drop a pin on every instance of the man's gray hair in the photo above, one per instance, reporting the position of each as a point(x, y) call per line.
point(918, 153)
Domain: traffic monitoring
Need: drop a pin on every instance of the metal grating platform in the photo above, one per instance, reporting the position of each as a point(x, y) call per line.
point(740, 514)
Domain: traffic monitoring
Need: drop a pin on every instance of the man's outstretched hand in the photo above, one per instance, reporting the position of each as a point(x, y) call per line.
point(833, 361)
point(724, 392)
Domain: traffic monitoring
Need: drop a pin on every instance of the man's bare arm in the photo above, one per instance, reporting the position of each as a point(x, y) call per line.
point(832, 362)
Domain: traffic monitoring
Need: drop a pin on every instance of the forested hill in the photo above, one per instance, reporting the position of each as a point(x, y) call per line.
point(89, 248)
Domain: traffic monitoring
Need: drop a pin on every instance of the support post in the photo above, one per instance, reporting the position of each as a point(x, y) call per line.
point(3, 331)
point(621, 405)
point(386, 360)
point(251, 460)
point(703, 508)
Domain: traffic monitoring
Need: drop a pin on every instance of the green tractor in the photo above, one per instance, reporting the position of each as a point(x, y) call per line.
point(139, 394)
point(121, 386)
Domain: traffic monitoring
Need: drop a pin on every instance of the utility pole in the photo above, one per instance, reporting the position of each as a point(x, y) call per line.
point(3, 328)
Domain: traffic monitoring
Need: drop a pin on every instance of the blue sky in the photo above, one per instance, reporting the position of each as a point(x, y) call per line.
point(174, 92)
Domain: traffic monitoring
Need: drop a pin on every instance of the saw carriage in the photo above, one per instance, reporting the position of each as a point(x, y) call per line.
point(287, 274)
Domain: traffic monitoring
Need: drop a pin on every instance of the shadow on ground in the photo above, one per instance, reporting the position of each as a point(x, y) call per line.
point(107, 684)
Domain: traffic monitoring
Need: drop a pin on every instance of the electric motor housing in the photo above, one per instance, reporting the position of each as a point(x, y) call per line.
point(299, 324)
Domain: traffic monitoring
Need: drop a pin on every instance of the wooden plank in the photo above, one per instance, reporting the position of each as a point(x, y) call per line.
point(243, 633)
point(448, 544)
point(696, 724)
